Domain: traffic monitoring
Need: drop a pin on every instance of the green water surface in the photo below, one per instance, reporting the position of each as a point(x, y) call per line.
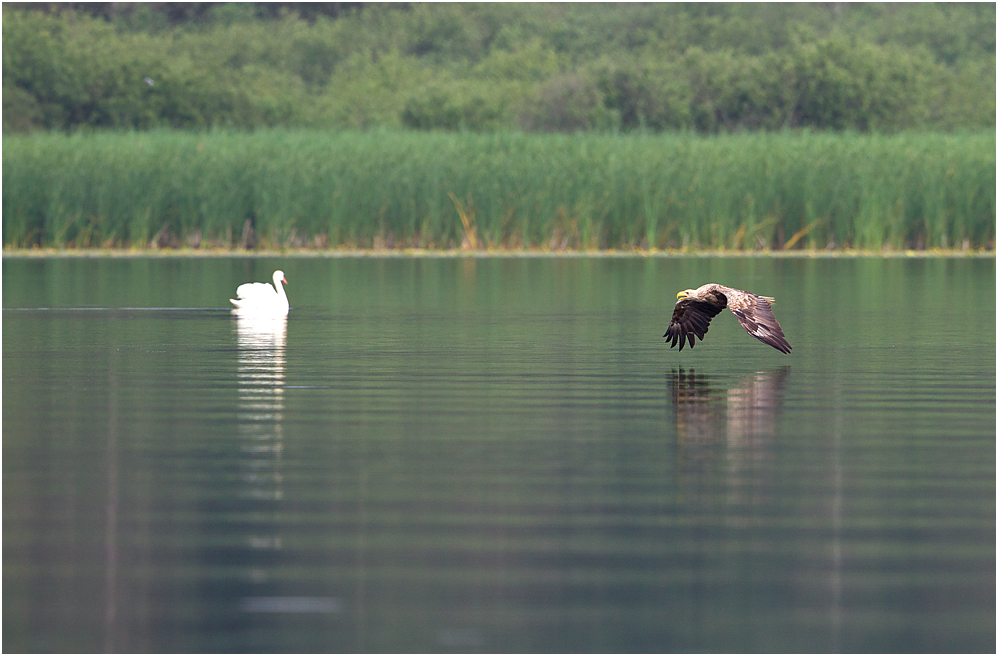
point(497, 455)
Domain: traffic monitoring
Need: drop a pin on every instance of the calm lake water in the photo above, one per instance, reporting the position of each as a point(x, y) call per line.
point(497, 455)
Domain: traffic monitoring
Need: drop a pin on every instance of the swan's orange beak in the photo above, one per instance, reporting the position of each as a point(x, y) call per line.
point(284, 280)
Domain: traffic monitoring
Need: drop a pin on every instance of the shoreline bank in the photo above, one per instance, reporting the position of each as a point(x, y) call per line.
point(27, 253)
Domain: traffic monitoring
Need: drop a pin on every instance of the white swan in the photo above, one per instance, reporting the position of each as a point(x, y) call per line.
point(259, 298)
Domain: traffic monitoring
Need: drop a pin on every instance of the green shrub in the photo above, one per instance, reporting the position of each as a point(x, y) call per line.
point(487, 67)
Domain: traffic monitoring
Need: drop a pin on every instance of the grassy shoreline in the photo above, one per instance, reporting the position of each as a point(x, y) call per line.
point(29, 253)
point(291, 190)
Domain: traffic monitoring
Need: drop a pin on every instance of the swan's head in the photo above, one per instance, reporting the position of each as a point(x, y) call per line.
point(279, 277)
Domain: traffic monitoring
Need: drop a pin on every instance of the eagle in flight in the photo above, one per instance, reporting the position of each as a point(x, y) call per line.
point(696, 307)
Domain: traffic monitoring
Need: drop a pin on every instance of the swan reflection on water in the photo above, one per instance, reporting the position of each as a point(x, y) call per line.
point(262, 342)
point(261, 345)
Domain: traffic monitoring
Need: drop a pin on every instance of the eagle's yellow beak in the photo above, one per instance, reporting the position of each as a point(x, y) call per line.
point(681, 295)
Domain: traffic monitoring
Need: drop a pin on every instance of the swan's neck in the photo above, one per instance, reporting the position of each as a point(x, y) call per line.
point(280, 288)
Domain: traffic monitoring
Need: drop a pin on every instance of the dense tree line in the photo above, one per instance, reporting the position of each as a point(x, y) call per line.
point(484, 67)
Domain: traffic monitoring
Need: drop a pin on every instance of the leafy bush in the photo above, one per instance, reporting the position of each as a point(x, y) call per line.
point(486, 67)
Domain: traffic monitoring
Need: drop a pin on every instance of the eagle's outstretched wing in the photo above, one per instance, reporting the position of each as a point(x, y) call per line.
point(690, 319)
point(755, 313)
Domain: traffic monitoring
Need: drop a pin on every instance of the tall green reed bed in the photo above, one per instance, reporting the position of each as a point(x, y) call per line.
point(436, 190)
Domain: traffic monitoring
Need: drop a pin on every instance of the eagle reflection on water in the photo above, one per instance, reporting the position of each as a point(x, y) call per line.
point(708, 411)
point(725, 425)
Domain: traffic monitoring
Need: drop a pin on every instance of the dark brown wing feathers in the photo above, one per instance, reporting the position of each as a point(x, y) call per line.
point(690, 320)
point(758, 320)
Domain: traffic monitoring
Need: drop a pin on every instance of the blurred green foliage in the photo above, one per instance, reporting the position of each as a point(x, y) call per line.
point(490, 67)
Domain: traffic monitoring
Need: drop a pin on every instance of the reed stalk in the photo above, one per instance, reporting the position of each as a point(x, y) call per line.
point(582, 191)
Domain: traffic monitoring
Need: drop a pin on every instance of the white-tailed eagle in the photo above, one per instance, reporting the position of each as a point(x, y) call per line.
point(696, 307)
